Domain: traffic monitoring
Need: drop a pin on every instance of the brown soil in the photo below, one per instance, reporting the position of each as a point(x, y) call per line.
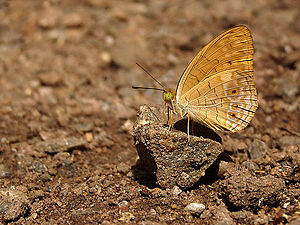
point(67, 111)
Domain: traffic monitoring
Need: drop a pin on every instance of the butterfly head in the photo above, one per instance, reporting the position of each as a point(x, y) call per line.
point(169, 96)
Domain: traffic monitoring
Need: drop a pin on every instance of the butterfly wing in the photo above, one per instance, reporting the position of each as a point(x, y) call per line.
point(232, 49)
point(224, 101)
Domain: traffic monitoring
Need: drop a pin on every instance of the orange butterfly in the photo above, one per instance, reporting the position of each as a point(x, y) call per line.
point(217, 88)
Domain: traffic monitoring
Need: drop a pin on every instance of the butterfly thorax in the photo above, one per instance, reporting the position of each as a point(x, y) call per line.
point(169, 96)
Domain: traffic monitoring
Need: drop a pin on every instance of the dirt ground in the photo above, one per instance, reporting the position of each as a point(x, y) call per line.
point(67, 111)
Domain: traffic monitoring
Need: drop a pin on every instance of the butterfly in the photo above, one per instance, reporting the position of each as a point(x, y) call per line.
point(217, 88)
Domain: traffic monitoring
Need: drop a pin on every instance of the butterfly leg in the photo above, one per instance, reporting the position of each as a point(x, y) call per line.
point(188, 127)
point(170, 117)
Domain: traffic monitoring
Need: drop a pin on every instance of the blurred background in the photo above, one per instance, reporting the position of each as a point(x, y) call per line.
point(67, 67)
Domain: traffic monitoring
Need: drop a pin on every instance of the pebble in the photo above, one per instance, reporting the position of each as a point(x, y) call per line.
point(89, 137)
point(50, 78)
point(5, 172)
point(106, 57)
point(60, 144)
point(126, 217)
point(223, 167)
point(38, 167)
point(195, 208)
point(13, 204)
point(104, 139)
point(45, 177)
point(84, 127)
point(250, 165)
point(34, 215)
point(152, 212)
point(72, 20)
point(175, 191)
point(123, 168)
point(123, 205)
point(128, 126)
point(257, 149)
point(289, 140)
point(48, 18)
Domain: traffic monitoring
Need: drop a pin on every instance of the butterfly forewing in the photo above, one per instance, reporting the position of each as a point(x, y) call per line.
point(217, 88)
point(233, 49)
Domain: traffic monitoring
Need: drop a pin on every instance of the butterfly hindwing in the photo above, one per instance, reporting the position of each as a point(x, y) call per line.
point(224, 101)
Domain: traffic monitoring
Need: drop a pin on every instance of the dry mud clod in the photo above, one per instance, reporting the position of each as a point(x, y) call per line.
point(167, 155)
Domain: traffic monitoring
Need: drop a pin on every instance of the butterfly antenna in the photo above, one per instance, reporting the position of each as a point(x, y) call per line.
point(150, 75)
point(151, 88)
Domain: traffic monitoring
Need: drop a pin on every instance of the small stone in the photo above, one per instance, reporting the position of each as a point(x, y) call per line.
point(173, 206)
point(34, 215)
point(123, 206)
point(72, 20)
point(48, 18)
point(60, 145)
point(157, 193)
point(128, 126)
point(195, 208)
point(35, 194)
point(103, 139)
point(257, 149)
point(59, 203)
point(234, 145)
point(89, 137)
point(50, 78)
point(13, 204)
point(289, 140)
point(175, 191)
point(5, 172)
point(250, 165)
point(152, 212)
point(106, 58)
point(123, 168)
point(126, 217)
point(224, 167)
point(38, 167)
point(84, 127)
point(45, 177)
point(62, 156)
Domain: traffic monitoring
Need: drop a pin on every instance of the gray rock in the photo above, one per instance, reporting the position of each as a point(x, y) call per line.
point(289, 140)
point(257, 149)
point(60, 145)
point(168, 155)
point(13, 204)
point(5, 172)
